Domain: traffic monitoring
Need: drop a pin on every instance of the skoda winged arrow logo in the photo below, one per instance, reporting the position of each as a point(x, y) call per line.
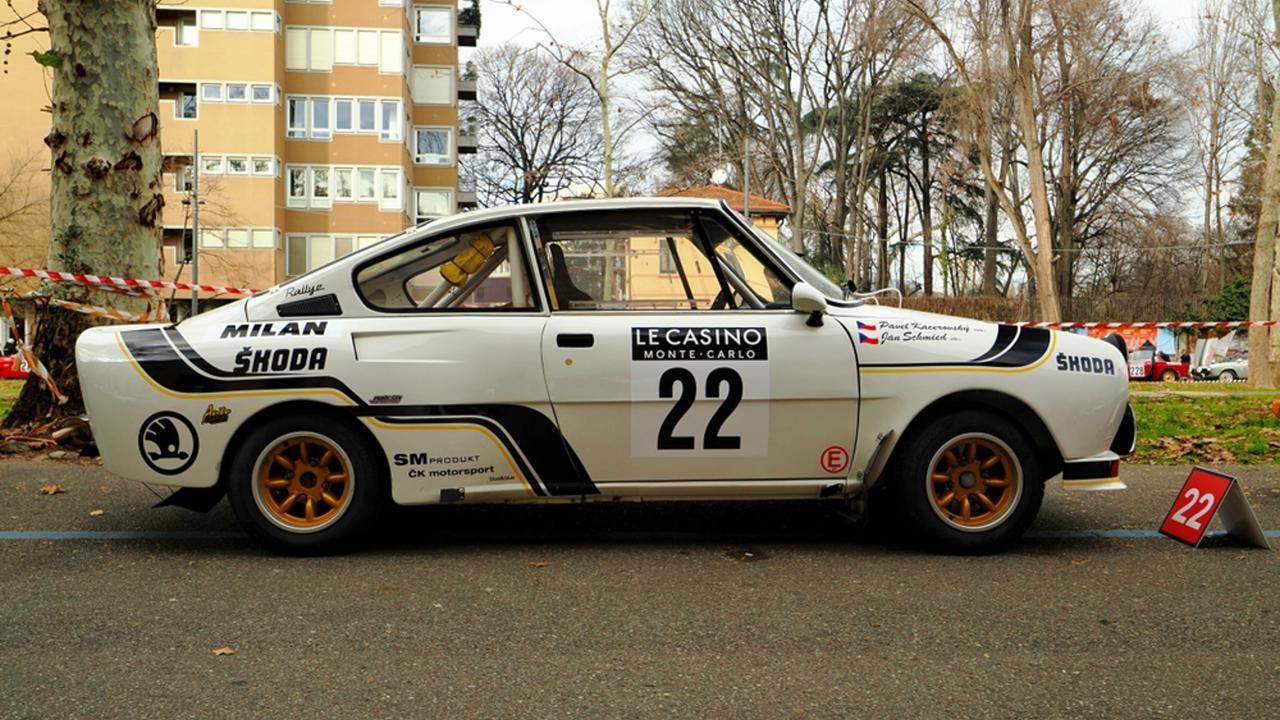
point(168, 443)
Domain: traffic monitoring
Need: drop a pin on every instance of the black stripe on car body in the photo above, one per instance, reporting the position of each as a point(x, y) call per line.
point(1028, 346)
point(172, 363)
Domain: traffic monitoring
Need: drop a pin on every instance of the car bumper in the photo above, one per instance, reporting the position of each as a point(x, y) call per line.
point(1098, 472)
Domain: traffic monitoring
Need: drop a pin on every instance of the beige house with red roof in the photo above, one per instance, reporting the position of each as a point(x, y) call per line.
point(766, 214)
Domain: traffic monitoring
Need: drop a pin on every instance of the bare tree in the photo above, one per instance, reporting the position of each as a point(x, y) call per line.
point(539, 128)
point(601, 68)
point(1217, 86)
point(24, 209)
point(106, 194)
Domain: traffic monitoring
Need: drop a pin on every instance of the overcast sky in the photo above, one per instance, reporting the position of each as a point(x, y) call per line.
point(575, 20)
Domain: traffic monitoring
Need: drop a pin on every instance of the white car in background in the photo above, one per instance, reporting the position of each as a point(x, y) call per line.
point(632, 349)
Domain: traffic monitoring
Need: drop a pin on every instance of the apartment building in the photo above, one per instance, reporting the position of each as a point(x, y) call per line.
point(324, 126)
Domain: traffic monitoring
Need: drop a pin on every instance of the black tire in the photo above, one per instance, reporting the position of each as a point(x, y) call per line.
point(1227, 376)
point(1169, 376)
point(919, 497)
point(341, 507)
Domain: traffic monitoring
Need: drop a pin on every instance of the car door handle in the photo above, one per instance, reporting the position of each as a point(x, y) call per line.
point(575, 340)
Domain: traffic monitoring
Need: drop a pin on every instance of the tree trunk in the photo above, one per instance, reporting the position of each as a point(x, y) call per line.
point(1042, 270)
point(882, 231)
point(106, 194)
point(1263, 298)
point(990, 236)
point(926, 204)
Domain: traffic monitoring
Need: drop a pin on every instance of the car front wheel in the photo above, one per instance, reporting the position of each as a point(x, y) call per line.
point(305, 484)
point(1227, 376)
point(968, 482)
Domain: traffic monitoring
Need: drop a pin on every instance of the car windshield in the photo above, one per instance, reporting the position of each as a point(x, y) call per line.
point(807, 272)
point(1143, 354)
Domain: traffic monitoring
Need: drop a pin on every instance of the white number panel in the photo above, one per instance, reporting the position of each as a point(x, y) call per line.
point(699, 391)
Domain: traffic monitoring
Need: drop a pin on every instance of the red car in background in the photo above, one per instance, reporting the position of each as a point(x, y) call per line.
point(1147, 364)
point(13, 367)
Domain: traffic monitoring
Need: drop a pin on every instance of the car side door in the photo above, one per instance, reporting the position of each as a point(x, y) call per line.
point(660, 368)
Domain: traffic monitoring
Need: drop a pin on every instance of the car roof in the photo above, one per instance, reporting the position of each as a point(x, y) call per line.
point(560, 206)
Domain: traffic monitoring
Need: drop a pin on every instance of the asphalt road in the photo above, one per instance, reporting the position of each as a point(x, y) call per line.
point(629, 611)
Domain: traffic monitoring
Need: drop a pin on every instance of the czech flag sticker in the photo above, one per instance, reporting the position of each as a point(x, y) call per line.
point(867, 334)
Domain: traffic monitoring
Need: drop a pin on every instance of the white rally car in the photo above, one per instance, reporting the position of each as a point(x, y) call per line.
point(606, 350)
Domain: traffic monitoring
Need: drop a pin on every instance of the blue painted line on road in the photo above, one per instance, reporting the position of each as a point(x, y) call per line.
point(114, 535)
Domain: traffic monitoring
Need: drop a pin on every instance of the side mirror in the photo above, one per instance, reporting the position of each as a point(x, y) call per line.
point(806, 298)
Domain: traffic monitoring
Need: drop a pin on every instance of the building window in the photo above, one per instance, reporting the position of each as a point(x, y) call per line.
point(237, 238)
point(666, 261)
point(237, 20)
point(184, 179)
point(320, 119)
point(264, 166)
point(186, 107)
point(237, 166)
point(297, 118)
point(263, 94)
point(308, 252)
point(430, 204)
point(318, 49)
point(432, 85)
point(364, 184)
point(212, 238)
point(237, 92)
point(391, 120)
point(342, 187)
point(368, 115)
point(211, 92)
point(343, 120)
point(297, 187)
point(433, 25)
point(263, 21)
point(320, 187)
point(211, 164)
point(344, 47)
point(264, 239)
point(389, 197)
point(186, 33)
point(211, 19)
point(433, 146)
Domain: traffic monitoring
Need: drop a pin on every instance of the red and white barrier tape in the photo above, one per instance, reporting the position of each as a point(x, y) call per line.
point(33, 363)
point(1147, 325)
point(105, 282)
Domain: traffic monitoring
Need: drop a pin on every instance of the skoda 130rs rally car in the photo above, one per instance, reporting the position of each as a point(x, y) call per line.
point(601, 350)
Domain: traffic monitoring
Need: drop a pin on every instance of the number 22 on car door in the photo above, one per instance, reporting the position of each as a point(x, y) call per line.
point(699, 391)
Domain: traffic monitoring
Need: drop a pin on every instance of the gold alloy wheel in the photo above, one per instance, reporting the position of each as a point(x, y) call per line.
point(303, 483)
point(975, 482)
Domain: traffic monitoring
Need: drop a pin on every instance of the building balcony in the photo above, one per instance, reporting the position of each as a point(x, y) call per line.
point(469, 25)
point(468, 35)
point(467, 87)
point(468, 142)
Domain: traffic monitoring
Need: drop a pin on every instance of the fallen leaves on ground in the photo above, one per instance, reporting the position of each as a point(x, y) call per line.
point(52, 489)
point(97, 513)
point(224, 650)
point(541, 564)
point(1206, 449)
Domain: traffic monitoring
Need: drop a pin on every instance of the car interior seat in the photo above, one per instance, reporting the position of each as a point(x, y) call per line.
point(566, 291)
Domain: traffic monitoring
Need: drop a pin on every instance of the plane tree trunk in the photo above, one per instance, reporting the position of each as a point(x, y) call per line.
point(105, 166)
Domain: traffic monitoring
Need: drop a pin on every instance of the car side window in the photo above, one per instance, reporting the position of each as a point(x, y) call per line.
point(474, 269)
point(645, 260)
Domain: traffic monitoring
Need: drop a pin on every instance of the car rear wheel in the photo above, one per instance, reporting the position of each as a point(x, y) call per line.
point(968, 482)
point(1169, 376)
point(305, 484)
point(1227, 376)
